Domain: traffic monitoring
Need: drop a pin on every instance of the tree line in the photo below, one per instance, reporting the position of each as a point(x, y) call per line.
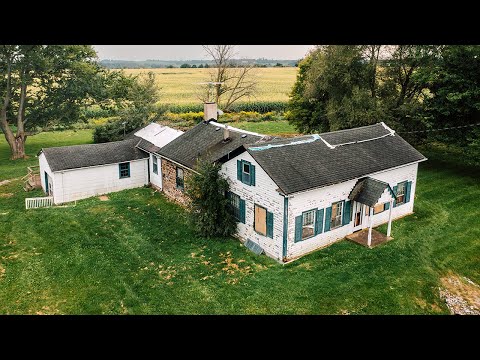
point(412, 88)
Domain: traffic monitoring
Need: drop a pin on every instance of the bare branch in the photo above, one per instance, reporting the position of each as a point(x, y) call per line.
point(236, 81)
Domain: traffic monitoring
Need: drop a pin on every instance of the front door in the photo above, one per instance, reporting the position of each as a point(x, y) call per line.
point(48, 185)
point(357, 216)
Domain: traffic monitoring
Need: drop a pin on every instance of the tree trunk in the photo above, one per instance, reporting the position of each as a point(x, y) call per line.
point(18, 149)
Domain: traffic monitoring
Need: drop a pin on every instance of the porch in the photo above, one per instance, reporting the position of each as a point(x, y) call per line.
point(32, 179)
point(370, 197)
point(361, 238)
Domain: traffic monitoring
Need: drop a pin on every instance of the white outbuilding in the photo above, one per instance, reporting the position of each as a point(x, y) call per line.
point(77, 172)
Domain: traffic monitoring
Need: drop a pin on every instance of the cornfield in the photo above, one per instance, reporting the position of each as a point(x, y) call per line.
point(180, 87)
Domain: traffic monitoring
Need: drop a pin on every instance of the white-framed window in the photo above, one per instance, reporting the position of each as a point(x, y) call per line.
point(401, 192)
point(337, 212)
point(246, 172)
point(124, 170)
point(235, 205)
point(308, 224)
point(180, 179)
point(155, 164)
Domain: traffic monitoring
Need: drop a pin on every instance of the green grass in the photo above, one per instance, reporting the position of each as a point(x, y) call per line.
point(179, 86)
point(281, 127)
point(13, 169)
point(137, 254)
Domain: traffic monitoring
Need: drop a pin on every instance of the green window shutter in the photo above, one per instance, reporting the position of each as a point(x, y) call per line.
point(395, 199)
point(408, 188)
point(269, 224)
point(387, 206)
point(319, 222)
point(298, 228)
point(119, 171)
point(242, 211)
point(252, 175)
point(239, 170)
point(346, 212)
point(328, 218)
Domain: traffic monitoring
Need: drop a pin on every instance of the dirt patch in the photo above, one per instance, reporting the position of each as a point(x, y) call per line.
point(461, 295)
point(104, 198)
point(6, 195)
point(4, 182)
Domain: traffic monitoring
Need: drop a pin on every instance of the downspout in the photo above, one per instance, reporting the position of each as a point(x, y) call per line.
point(285, 228)
point(148, 168)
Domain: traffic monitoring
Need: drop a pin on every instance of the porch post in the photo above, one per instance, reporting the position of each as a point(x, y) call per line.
point(371, 226)
point(389, 228)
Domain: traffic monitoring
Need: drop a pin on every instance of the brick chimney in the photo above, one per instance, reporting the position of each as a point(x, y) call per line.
point(209, 111)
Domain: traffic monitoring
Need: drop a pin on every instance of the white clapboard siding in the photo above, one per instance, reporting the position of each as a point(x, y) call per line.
point(38, 202)
point(76, 184)
point(264, 193)
point(324, 197)
point(156, 179)
point(45, 168)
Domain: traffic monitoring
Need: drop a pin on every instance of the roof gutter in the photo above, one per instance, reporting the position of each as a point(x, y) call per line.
point(94, 166)
point(177, 163)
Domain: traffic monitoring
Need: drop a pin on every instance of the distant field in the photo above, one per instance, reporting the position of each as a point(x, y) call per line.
point(279, 127)
point(178, 86)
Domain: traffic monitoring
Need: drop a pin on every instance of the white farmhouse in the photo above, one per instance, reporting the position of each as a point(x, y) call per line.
point(77, 172)
point(292, 196)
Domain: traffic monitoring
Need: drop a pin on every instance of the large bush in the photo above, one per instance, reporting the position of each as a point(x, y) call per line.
point(116, 128)
point(210, 212)
point(136, 112)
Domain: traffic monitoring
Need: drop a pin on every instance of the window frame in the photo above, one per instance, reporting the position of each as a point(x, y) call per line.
point(314, 211)
point(246, 175)
point(155, 164)
point(120, 170)
point(254, 222)
point(235, 210)
point(403, 194)
point(332, 218)
point(181, 186)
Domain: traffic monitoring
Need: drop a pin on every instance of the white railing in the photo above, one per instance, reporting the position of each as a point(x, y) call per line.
point(38, 202)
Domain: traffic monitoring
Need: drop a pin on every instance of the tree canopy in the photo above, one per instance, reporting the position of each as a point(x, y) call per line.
point(343, 86)
point(45, 85)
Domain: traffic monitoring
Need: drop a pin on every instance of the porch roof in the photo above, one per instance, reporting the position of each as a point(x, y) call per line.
point(367, 191)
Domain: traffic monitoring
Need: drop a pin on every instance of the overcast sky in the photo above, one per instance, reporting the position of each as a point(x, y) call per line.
point(195, 52)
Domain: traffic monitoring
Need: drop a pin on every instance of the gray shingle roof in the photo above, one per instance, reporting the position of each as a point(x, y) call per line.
point(357, 134)
point(147, 146)
point(79, 156)
point(203, 141)
point(367, 191)
point(310, 163)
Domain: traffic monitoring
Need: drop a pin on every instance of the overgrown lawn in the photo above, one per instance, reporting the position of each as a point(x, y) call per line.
point(136, 253)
